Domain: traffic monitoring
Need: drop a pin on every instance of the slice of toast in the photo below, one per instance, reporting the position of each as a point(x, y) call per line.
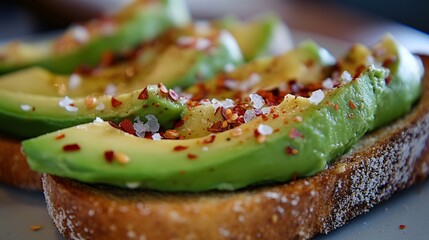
point(14, 169)
point(384, 162)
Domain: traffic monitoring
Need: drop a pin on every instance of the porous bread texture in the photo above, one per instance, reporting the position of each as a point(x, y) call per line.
point(14, 169)
point(384, 162)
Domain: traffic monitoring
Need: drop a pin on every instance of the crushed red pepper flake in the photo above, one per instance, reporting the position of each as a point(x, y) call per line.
point(352, 105)
point(61, 136)
point(162, 88)
point(127, 126)
point(402, 226)
point(71, 147)
point(291, 151)
point(180, 148)
point(113, 124)
point(336, 107)
point(115, 102)
point(192, 156)
point(109, 155)
point(36, 227)
point(216, 127)
point(294, 133)
point(209, 139)
point(144, 94)
point(388, 79)
point(173, 95)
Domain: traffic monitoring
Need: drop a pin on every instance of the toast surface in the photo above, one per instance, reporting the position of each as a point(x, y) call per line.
point(14, 169)
point(384, 162)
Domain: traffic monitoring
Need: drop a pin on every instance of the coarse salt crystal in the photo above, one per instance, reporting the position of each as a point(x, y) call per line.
point(100, 106)
point(74, 81)
point(266, 110)
point(346, 77)
point(202, 43)
point(156, 136)
point(80, 34)
point(228, 103)
point(110, 89)
point(98, 120)
point(328, 83)
point(316, 97)
point(66, 103)
point(132, 185)
point(256, 100)
point(26, 107)
point(265, 130)
point(249, 115)
point(229, 67)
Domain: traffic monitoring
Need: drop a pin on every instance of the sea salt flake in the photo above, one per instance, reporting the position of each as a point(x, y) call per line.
point(266, 110)
point(316, 97)
point(26, 107)
point(67, 103)
point(265, 130)
point(346, 77)
point(328, 83)
point(228, 103)
point(100, 107)
point(110, 89)
point(156, 136)
point(98, 120)
point(249, 115)
point(80, 34)
point(74, 81)
point(257, 101)
point(202, 43)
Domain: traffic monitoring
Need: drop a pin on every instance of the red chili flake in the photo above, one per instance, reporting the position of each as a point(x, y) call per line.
point(291, 151)
point(359, 71)
point(295, 176)
point(115, 102)
point(209, 139)
point(162, 88)
point(352, 105)
point(179, 123)
point(173, 95)
point(216, 127)
point(61, 136)
point(107, 58)
point(256, 132)
point(180, 148)
point(109, 155)
point(144, 94)
point(402, 226)
point(336, 107)
point(294, 133)
point(388, 79)
point(275, 115)
point(127, 126)
point(264, 117)
point(71, 147)
point(111, 123)
point(389, 61)
point(192, 156)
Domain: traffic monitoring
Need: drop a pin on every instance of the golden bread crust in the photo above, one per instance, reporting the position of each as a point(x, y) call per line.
point(14, 169)
point(384, 162)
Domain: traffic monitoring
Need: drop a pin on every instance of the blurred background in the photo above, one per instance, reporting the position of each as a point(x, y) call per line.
point(346, 19)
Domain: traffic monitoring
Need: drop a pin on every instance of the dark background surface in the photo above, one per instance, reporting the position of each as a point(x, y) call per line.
point(24, 17)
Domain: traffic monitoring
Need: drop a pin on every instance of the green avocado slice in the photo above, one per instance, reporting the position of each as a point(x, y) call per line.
point(227, 163)
point(299, 137)
point(263, 35)
point(186, 65)
point(142, 20)
point(42, 114)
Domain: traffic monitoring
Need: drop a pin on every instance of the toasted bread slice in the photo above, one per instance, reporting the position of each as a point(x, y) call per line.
point(385, 161)
point(14, 169)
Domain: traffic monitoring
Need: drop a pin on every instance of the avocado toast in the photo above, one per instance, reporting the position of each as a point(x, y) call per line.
point(375, 168)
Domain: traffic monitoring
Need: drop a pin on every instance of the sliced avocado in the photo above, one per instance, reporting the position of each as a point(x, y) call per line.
point(227, 162)
point(260, 36)
point(84, 45)
point(299, 136)
point(175, 64)
point(26, 115)
point(305, 64)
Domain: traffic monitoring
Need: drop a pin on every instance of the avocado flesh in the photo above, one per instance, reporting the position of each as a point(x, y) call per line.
point(228, 162)
point(44, 114)
point(44, 90)
point(261, 36)
point(304, 64)
point(141, 21)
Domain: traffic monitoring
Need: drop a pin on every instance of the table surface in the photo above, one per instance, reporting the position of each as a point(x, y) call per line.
point(333, 27)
